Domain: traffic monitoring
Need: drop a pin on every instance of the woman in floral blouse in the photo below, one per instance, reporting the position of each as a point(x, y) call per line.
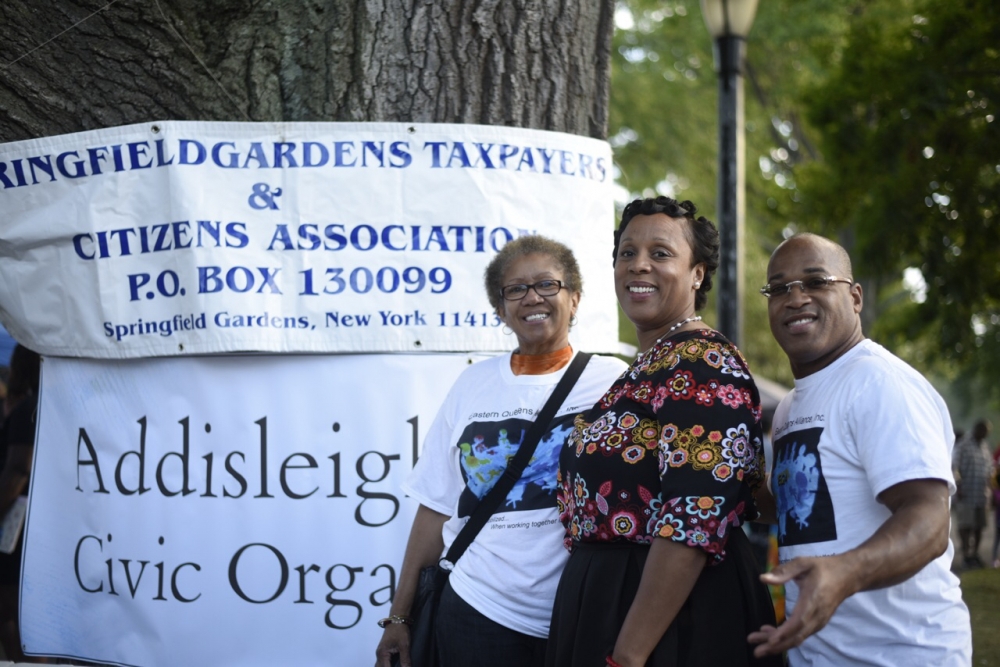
point(658, 478)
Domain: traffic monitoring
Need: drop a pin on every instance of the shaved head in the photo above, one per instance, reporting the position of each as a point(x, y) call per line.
point(840, 261)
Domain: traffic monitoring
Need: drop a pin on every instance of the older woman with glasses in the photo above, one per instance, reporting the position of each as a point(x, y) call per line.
point(496, 607)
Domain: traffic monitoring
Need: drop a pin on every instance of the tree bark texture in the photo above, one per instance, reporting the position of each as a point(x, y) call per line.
point(541, 64)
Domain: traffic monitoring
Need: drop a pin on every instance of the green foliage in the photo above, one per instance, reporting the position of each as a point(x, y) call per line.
point(663, 98)
point(664, 95)
point(981, 590)
point(911, 172)
point(872, 122)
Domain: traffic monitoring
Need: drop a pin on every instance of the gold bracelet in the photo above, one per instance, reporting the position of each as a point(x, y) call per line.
point(394, 620)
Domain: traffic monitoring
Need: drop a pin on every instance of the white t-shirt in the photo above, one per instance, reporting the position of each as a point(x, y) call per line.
point(864, 423)
point(510, 572)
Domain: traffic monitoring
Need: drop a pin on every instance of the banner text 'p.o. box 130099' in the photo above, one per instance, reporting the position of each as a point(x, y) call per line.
point(185, 237)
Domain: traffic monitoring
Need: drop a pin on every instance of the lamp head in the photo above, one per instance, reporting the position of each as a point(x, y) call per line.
point(729, 18)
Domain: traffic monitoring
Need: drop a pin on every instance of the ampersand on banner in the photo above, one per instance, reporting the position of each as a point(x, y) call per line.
point(263, 197)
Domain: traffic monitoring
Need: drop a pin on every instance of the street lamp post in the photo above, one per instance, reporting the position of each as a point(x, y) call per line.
point(729, 22)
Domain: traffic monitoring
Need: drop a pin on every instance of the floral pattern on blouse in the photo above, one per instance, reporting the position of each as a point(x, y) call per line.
point(672, 450)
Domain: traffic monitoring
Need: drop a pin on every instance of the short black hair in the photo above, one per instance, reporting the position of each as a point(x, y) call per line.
point(982, 429)
point(702, 235)
point(534, 244)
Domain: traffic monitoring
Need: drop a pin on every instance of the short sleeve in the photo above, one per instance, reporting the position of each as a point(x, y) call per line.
point(901, 429)
point(436, 479)
point(711, 445)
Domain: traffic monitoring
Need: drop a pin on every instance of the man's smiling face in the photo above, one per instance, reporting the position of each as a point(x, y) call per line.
point(813, 327)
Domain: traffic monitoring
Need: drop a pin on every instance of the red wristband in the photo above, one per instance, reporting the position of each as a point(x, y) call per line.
point(611, 662)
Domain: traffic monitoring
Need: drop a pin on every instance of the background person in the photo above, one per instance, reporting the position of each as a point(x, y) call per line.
point(972, 463)
point(17, 444)
point(496, 606)
point(659, 476)
point(995, 491)
point(861, 475)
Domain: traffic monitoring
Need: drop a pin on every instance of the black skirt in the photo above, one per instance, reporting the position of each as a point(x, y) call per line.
point(600, 581)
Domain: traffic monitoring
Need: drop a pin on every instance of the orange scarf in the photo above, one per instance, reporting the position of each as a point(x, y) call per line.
point(540, 364)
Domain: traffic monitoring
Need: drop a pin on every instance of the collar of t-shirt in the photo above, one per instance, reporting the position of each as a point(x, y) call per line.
point(540, 364)
point(811, 380)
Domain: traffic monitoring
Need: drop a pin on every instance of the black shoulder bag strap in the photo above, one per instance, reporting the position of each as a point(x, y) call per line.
point(491, 501)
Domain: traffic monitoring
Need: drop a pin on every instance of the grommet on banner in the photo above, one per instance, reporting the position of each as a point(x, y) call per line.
point(155, 129)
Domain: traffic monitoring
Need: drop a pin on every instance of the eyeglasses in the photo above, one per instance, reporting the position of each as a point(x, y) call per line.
point(807, 285)
point(542, 288)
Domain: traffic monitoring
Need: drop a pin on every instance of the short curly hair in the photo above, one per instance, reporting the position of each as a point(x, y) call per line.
point(702, 235)
point(530, 245)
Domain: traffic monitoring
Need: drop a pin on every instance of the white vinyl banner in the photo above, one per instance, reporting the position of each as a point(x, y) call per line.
point(229, 510)
point(171, 238)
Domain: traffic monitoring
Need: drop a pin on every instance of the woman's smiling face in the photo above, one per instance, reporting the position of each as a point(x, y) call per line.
point(654, 277)
point(541, 323)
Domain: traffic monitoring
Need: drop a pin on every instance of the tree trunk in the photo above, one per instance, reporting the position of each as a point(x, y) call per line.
point(541, 64)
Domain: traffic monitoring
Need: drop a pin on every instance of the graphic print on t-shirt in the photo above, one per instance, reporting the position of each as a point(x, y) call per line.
point(805, 510)
point(487, 447)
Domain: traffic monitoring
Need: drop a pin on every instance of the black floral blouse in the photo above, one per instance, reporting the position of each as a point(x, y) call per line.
point(673, 449)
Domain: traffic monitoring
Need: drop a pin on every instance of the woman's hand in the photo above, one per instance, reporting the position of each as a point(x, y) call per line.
point(395, 639)
point(423, 548)
point(658, 599)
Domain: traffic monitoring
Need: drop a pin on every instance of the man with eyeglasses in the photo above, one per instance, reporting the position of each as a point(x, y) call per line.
point(861, 477)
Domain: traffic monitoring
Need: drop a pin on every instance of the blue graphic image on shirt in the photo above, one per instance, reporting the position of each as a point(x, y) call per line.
point(798, 480)
point(488, 447)
point(805, 510)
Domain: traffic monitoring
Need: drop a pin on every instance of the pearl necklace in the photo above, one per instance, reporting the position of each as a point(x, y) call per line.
point(696, 318)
